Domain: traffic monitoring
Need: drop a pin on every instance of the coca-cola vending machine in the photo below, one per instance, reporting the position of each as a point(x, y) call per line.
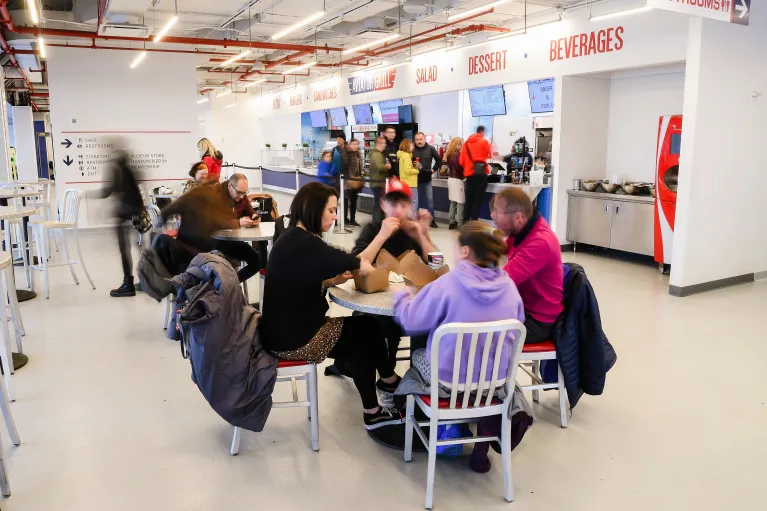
point(666, 177)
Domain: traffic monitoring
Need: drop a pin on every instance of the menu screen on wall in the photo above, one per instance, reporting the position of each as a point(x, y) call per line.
point(376, 109)
point(390, 111)
point(541, 95)
point(487, 101)
point(338, 116)
point(362, 114)
point(319, 119)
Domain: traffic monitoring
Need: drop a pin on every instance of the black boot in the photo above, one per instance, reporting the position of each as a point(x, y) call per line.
point(127, 289)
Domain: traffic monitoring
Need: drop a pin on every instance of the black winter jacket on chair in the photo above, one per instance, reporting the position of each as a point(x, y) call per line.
point(584, 353)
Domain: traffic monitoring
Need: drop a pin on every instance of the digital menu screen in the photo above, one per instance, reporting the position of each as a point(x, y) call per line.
point(390, 111)
point(377, 118)
point(362, 114)
point(487, 101)
point(338, 116)
point(319, 119)
point(541, 95)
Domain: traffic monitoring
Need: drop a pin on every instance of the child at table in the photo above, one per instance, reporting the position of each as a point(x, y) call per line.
point(477, 290)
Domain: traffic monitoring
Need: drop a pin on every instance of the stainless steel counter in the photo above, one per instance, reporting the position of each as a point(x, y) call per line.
point(647, 199)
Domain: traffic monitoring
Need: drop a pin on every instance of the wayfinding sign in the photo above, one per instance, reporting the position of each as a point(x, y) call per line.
point(731, 11)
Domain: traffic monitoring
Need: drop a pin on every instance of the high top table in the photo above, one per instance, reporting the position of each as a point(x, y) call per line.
point(14, 213)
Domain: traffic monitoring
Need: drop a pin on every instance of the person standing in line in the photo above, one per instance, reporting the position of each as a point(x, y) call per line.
point(391, 151)
point(474, 156)
point(325, 169)
point(428, 162)
point(408, 174)
point(352, 168)
point(534, 262)
point(212, 158)
point(338, 158)
point(123, 184)
point(379, 172)
point(455, 189)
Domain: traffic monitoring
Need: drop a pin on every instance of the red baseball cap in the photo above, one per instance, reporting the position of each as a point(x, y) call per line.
point(394, 185)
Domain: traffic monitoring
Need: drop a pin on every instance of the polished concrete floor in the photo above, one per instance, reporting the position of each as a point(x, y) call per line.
point(110, 419)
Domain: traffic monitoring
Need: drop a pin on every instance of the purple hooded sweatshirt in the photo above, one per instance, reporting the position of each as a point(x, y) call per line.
point(467, 294)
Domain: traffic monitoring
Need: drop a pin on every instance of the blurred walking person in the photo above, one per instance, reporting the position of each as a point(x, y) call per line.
point(212, 158)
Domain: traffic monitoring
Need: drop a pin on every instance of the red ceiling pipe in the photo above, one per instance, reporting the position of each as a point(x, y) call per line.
point(53, 32)
point(95, 47)
point(457, 31)
point(38, 94)
point(435, 29)
point(5, 16)
point(216, 60)
point(286, 59)
point(7, 49)
point(205, 91)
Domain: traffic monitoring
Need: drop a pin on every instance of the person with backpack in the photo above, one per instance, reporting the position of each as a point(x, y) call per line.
point(212, 157)
point(474, 155)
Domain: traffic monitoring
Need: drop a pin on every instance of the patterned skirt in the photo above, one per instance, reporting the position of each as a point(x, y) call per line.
point(318, 348)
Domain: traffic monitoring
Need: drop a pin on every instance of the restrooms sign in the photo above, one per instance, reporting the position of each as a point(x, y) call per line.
point(372, 82)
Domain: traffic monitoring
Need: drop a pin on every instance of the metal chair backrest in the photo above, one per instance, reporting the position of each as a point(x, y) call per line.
point(494, 334)
point(71, 211)
point(155, 216)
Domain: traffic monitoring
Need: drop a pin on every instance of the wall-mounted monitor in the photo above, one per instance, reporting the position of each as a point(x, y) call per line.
point(319, 119)
point(541, 95)
point(375, 108)
point(363, 114)
point(390, 111)
point(487, 101)
point(338, 116)
point(405, 113)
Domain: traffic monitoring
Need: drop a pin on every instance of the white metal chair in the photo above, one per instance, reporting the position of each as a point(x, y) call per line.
point(68, 220)
point(469, 409)
point(8, 291)
point(288, 370)
point(531, 357)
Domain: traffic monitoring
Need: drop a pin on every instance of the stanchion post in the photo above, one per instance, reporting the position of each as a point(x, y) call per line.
point(261, 169)
point(342, 213)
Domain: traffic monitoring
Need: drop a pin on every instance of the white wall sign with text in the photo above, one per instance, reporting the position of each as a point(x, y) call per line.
point(731, 11)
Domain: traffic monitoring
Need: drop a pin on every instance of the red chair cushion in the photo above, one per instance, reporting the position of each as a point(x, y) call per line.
point(445, 402)
point(540, 347)
point(262, 272)
point(291, 363)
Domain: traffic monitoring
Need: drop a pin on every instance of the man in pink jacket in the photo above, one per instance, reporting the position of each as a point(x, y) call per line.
point(535, 262)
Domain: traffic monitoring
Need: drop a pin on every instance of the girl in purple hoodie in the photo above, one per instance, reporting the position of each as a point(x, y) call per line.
point(476, 291)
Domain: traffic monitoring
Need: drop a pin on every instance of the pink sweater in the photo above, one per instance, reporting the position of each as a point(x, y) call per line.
point(535, 266)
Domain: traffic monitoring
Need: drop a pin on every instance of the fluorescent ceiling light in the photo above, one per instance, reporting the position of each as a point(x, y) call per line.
point(371, 43)
point(476, 10)
point(32, 5)
point(230, 106)
point(621, 13)
point(250, 84)
point(138, 59)
point(165, 29)
point(299, 68)
point(234, 59)
point(296, 26)
point(41, 46)
point(226, 93)
point(203, 100)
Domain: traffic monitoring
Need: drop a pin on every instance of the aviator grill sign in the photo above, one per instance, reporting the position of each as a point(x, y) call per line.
point(372, 82)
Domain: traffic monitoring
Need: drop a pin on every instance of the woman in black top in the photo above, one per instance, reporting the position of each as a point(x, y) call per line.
point(294, 326)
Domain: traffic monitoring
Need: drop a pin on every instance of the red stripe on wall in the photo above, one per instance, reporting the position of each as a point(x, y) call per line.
point(140, 180)
point(75, 132)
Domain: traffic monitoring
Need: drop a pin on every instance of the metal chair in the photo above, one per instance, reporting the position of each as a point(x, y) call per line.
point(288, 370)
point(68, 220)
point(8, 291)
point(469, 409)
point(532, 355)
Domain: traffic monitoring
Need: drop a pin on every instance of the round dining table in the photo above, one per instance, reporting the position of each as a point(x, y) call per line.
point(262, 232)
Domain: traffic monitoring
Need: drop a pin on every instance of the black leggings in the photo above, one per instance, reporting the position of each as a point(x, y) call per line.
point(241, 251)
point(476, 186)
point(125, 255)
point(350, 204)
point(538, 331)
point(363, 345)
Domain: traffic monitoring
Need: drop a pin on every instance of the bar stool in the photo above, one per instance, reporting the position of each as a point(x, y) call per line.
point(8, 290)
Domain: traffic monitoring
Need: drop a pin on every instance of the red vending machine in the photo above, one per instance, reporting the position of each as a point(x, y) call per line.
point(666, 177)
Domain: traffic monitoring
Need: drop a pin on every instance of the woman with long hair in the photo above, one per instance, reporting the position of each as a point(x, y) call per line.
point(455, 182)
point(212, 158)
point(294, 325)
point(407, 171)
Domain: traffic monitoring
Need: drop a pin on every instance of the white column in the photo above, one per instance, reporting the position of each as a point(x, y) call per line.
point(5, 159)
point(24, 137)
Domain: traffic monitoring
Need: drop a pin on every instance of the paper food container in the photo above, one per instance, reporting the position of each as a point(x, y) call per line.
point(373, 283)
point(418, 275)
point(400, 264)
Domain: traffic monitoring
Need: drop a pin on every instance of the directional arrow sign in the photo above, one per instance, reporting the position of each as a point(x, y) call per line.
point(66, 143)
point(69, 161)
point(730, 11)
point(741, 12)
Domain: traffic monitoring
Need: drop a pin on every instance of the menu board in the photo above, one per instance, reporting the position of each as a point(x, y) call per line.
point(541, 95)
point(319, 119)
point(338, 116)
point(377, 118)
point(390, 111)
point(487, 101)
point(362, 114)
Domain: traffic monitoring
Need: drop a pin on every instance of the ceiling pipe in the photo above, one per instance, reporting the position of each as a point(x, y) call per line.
point(8, 50)
point(226, 43)
point(457, 31)
point(120, 48)
point(5, 16)
point(251, 62)
point(39, 94)
point(286, 59)
point(373, 52)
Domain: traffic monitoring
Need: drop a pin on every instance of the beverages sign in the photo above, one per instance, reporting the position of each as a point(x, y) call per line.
point(731, 11)
point(372, 82)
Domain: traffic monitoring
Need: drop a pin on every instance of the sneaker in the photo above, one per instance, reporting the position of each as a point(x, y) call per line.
point(127, 289)
point(388, 388)
point(354, 223)
point(434, 224)
point(453, 226)
point(383, 417)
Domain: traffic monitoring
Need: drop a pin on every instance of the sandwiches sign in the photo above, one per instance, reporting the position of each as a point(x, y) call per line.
point(372, 82)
